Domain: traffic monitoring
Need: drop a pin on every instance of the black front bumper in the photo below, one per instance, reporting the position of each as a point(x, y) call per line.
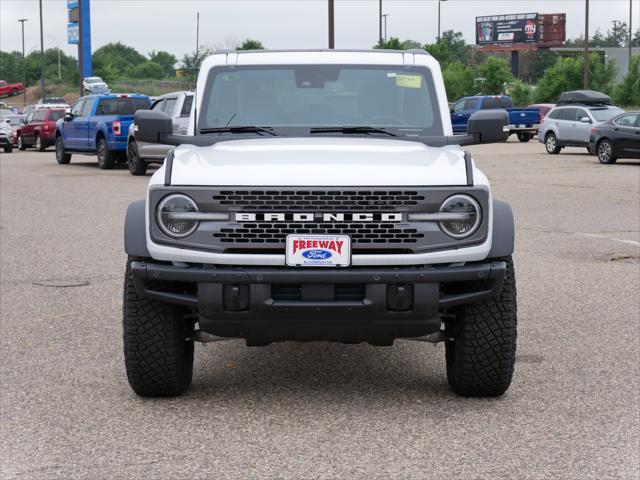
point(4, 141)
point(264, 305)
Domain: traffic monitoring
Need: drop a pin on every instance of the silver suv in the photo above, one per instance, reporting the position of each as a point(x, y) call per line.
point(177, 105)
point(570, 125)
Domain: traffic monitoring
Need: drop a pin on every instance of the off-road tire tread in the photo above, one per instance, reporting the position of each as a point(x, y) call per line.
point(158, 360)
point(110, 158)
point(481, 359)
point(65, 157)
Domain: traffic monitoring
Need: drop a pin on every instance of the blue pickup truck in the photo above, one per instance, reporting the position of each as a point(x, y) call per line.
point(98, 125)
point(524, 122)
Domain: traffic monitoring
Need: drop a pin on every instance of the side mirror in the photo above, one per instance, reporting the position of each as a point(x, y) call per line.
point(68, 116)
point(151, 125)
point(585, 120)
point(490, 126)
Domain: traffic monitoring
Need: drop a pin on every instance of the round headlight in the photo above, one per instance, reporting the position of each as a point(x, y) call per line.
point(173, 225)
point(469, 213)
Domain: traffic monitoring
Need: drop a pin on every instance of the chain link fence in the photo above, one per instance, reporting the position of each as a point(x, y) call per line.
point(150, 87)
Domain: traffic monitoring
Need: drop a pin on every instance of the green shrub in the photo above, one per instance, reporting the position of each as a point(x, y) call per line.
point(458, 80)
point(628, 92)
point(521, 94)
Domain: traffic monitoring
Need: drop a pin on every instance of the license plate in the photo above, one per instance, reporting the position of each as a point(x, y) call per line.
point(318, 251)
point(522, 125)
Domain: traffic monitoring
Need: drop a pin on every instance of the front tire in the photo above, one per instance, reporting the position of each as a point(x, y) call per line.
point(106, 158)
point(524, 137)
point(481, 357)
point(158, 344)
point(137, 166)
point(8, 148)
point(62, 157)
point(605, 152)
point(21, 145)
point(551, 144)
point(40, 144)
point(14, 92)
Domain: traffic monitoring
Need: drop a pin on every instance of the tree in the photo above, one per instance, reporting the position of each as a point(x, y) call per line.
point(521, 94)
point(191, 63)
point(115, 58)
point(250, 44)
point(450, 47)
point(165, 60)
point(495, 73)
point(628, 92)
point(458, 80)
point(393, 43)
point(567, 73)
point(148, 69)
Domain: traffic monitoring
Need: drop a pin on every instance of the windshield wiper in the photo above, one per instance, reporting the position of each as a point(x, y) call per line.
point(352, 129)
point(240, 129)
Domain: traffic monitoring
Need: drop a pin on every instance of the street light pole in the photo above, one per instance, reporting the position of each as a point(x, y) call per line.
point(41, 55)
point(585, 72)
point(385, 26)
point(439, 2)
point(24, 64)
point(630, 34)
point(331, 25)
point(380, 21)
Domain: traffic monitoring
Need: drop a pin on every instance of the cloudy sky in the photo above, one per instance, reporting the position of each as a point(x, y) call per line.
point(170, 24)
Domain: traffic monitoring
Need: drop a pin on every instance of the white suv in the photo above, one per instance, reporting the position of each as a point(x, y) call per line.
point(570, 125)
point(320, 195)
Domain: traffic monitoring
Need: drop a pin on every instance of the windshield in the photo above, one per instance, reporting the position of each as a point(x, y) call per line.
point(122, 105)
point(604, 114)
point(14, 120)
point(395, 97)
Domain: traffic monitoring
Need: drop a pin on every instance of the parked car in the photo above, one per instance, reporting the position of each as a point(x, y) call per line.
point(617, 138)
point(98, 125)
point(5, 134)
point(94, 85)
point(10, 89)
point(38, 129)
point(16, 121)
point(524, 122)
point(139, 154)
point(543, 108)
point(569, 124)
point(287, 215)
point(39, 106)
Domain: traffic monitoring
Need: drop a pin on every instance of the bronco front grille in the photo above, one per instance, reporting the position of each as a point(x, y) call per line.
point(360, 233)
point(317, 200)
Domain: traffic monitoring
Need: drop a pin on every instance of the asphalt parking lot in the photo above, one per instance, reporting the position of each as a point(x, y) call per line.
point(322, 410)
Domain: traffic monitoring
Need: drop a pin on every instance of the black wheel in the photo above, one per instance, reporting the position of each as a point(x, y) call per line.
point(551, 143)
point(21, 144)
point(106, 158)
point(524, 136)
point(481, 357)
point(8, 148)
point(14, 92)
point(158, 344)
point(62, 157)
point(605, 152)
point(40, 144)
point(137, 166)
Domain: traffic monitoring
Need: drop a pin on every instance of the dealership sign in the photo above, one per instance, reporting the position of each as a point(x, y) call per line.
point(507, 29)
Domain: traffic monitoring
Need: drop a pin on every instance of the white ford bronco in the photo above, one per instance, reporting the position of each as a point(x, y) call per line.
point(320, 196)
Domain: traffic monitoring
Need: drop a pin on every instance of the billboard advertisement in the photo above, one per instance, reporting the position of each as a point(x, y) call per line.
point(507, 29)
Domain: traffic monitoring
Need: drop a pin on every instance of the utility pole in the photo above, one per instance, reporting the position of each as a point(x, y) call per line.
point(585, 73)
point(41, 55)
point(630, 34)
point(439, 3)
point(385, 26)
point(24, 64)
point(331, 25)
point(380, 21)
point(197, 36)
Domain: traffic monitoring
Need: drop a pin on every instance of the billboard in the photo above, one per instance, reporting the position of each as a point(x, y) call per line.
point(507, 29)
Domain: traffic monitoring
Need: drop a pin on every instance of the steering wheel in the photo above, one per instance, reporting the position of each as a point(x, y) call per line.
point(386, 120)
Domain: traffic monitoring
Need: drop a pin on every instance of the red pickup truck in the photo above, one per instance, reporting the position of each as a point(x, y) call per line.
point(39, 128)
point(10, 89)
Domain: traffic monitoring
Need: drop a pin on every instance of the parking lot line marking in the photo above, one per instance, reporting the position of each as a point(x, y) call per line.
point(621, 240)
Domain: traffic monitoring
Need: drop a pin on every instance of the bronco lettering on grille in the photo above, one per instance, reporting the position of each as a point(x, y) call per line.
point(324, 217)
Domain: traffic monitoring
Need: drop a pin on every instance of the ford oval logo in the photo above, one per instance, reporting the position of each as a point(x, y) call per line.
point(317, 254)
